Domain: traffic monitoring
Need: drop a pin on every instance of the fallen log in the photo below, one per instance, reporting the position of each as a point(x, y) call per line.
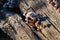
point(41, 7)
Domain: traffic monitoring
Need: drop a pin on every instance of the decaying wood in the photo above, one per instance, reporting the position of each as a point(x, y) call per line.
point(17, 29)
point(51, 32)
